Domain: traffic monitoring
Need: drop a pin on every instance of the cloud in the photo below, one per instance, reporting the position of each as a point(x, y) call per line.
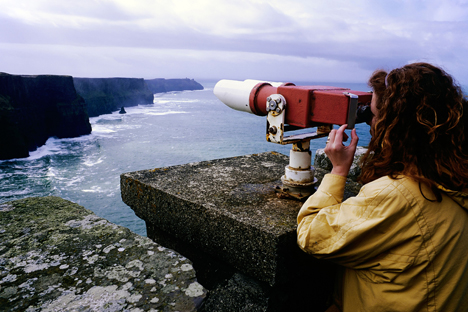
point(289, 35)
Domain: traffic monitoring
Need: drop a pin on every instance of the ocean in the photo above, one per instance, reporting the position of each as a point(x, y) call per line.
point(178, 128)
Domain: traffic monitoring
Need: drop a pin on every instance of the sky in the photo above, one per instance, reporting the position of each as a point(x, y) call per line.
point(279, 40)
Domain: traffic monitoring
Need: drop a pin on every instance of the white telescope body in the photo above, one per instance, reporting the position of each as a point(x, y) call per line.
point(299, 176)
point(236, 94)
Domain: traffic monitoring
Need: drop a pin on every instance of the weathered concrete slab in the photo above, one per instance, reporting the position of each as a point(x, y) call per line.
point(225, 216)
point(57, 256)
point(226, 207)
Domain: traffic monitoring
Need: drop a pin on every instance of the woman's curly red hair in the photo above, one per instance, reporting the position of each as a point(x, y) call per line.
point(420, 129)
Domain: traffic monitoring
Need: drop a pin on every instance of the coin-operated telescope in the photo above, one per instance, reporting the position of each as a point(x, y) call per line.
point(289, 107)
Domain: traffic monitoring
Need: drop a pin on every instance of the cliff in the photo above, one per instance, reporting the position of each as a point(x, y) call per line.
point(160, 85)
point(106, 95)
point(34, 108)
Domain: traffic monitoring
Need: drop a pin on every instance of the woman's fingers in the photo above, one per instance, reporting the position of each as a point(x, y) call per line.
point(337, 136)
point(340, 155)
point(354, 138)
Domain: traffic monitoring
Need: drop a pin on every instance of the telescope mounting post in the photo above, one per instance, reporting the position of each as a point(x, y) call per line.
point(298, 180)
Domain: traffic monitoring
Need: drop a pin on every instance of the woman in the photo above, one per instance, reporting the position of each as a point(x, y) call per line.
point(403, 240)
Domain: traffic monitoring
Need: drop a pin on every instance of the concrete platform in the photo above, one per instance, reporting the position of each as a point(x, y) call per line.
point(225, 216)
point(227, 208)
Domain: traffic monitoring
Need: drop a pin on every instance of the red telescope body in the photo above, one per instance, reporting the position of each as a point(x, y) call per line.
point(307, 106)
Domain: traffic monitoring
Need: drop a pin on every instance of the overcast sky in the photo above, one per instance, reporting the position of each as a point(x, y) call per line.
point(282, 40)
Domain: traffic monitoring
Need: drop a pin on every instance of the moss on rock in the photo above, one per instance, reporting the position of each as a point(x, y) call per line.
point(57, 255)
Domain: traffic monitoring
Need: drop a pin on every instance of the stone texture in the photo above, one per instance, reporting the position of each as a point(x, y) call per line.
point(227, 207)
point(240, 293)
point(225, 216)
point(322, 161)
point(57, 256)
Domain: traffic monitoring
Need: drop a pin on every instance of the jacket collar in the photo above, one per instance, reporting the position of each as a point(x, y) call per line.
point(460, 198)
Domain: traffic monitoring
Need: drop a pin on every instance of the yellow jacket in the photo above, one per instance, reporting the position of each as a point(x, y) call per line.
point(401, 251)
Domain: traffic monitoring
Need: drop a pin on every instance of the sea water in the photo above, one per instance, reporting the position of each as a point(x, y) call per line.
point(178, 128)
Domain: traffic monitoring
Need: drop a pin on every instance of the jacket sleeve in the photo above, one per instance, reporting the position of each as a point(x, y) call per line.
point(355, 232)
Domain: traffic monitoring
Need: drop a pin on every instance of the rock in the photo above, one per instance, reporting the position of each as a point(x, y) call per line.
point(160, 85)
point(240, 293)
point(56, 255)
point(34, 108)
point(323, 166)
point(122, 111)
point(106, 95)
point(323, 162)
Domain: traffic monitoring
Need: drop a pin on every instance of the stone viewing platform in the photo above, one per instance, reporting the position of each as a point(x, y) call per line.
point(225, 216)
point(221, 240)
point(58, 256)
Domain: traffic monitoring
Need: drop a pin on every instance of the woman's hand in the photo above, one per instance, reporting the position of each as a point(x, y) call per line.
point(341, 156)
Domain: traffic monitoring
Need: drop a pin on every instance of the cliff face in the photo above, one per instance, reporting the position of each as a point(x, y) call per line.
point(34, 108)
point(105, 95)
point(160, 85)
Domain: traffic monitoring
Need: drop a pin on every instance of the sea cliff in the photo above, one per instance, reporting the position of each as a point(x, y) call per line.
point(160, 85)
point(106, 95)
point(34, 108)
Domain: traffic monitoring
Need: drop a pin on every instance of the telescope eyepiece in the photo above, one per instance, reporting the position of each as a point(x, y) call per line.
point(364, 114)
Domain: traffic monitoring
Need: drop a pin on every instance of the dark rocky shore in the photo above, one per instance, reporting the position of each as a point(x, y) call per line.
point(35, 108)
point(106, 95)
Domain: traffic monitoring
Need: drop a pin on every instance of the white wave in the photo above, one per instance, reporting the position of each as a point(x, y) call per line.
point(51, 172)
point(111, 116)
point(176, 101)
point(15, 192)
point(88, 162)
point(83, 138)
point(5, 175)
point(162, 101)
point(93, 189)
point(166, 113)
point(102, 129)
point(183, 91)
point(52, 146)
point(187, 101)
point(74, 181)
point(127, 127)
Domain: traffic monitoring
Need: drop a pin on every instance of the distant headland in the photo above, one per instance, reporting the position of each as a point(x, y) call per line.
point(35, 108)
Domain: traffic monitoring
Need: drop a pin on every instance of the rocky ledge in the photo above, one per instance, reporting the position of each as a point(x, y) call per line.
point(56, 255)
